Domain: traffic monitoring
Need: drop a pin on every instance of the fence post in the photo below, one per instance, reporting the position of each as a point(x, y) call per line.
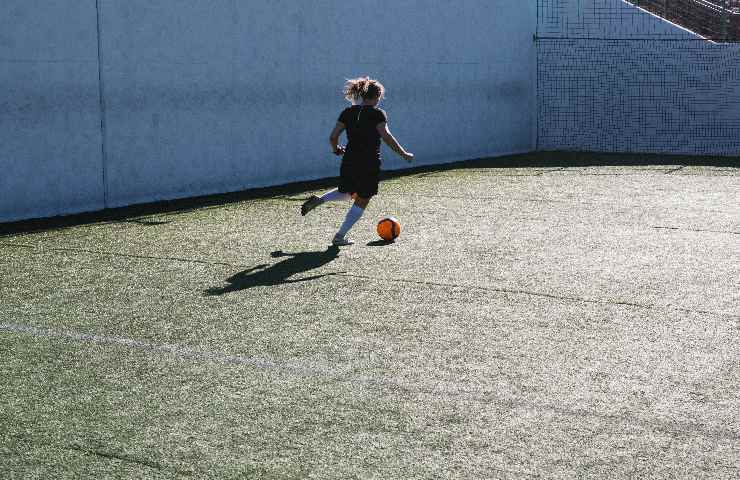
point(725, 21)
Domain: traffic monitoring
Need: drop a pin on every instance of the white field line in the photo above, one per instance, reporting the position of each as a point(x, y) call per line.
point(470, 392)
point(173, 349)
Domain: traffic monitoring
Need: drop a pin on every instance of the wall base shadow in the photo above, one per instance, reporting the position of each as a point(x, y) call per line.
point(526, 160)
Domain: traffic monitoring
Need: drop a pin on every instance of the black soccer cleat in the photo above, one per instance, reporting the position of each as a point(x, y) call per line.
point(312, 202)
point(341, 241)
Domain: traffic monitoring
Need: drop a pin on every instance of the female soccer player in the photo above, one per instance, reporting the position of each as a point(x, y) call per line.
point(366, 124)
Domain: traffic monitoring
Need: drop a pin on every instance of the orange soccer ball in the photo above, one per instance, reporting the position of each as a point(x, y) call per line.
point(389, 229)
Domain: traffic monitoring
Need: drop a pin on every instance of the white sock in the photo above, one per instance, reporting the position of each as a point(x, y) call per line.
point(353, 215)
point(335, 196)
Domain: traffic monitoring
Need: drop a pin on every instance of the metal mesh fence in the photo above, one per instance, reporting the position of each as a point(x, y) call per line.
point(614, 77)
point(717, 20)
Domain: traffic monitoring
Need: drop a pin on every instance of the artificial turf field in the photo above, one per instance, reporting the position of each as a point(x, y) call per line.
point(536, 319)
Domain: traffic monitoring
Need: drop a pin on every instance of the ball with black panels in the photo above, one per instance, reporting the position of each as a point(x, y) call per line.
point(389, 228)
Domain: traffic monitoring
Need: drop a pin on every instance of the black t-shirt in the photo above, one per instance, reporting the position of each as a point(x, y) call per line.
point(364, 140)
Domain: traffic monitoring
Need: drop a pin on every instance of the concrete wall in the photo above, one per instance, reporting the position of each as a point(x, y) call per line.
point(614, 78)
point(206, 96)
point(50, 142)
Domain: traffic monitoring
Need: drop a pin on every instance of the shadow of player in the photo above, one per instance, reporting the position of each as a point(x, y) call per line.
point(280, 273)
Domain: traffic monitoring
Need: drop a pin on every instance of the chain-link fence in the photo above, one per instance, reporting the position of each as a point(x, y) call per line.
point(613, 77)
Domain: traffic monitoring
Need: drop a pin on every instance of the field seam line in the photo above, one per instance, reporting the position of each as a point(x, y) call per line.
point(545, 295)
point(695, 230)
point(674, 170)
point(400, 280)
point(117, 254)
point(418, 282)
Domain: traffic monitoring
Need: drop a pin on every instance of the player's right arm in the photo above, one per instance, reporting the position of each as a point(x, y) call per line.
point(391, 141)
point(334, 139)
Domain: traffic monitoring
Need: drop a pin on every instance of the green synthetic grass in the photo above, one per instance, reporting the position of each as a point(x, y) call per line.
point(550, 321)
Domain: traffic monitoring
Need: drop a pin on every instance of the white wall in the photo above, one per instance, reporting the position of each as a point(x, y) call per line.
point(213, 96)
point(50, 142)
point(207, 96)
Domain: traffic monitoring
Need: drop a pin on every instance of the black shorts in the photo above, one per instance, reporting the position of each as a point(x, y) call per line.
point(359, 178)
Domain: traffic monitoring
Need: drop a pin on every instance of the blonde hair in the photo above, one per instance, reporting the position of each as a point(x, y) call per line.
point(363, 88)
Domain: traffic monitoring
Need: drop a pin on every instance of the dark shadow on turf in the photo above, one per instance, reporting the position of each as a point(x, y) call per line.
point(280, 273)
point(379, 243)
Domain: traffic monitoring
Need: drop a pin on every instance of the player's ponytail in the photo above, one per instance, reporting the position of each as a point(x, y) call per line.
point(363, 88)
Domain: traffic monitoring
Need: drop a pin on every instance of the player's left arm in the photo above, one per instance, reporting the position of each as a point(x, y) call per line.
point(391, 141)
point(334, 139)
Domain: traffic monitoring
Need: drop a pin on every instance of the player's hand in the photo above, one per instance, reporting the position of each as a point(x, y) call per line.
point(409, 157)
point(340, 150)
